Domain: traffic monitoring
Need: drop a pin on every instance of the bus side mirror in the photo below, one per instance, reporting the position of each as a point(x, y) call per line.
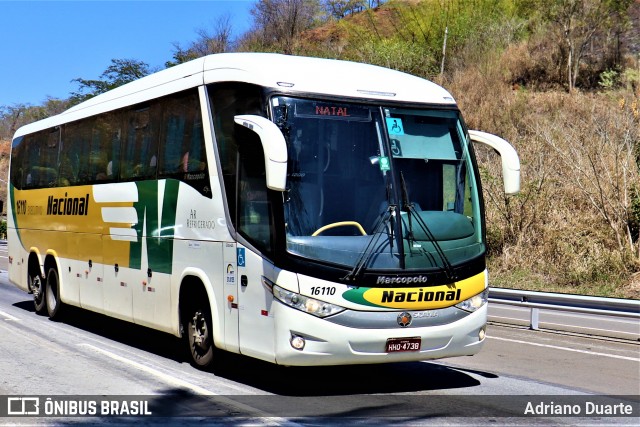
point(510, 159)
point(274, 146)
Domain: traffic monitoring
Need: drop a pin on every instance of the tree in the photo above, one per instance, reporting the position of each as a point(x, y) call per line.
point(339, 9)
point(15, 116)
point(278, 23)
point(120, 72)
point(218, 41)
point(577, 24)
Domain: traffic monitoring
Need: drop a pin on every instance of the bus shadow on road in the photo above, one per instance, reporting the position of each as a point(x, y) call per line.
point(342, 380)
point(127, 333)
point(363, 409)
point(281, 380)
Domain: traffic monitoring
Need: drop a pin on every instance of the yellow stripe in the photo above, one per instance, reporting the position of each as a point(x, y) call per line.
point(427, 297)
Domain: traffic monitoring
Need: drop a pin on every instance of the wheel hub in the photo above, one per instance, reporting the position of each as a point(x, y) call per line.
point(200, 332)
point(36, 287)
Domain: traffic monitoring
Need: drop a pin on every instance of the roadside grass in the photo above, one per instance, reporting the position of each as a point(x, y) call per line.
point(573, 227)
point(612, 287)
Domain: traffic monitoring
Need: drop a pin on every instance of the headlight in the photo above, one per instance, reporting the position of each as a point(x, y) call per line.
point(475, 302)
point(306, 304)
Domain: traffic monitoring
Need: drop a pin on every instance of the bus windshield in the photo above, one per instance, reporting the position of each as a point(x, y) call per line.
point(378, 187)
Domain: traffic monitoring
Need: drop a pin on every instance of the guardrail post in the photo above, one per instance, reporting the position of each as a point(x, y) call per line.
point(534, 319)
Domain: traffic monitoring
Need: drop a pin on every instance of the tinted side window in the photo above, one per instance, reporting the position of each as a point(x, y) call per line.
point(254, 208)
point(182, 150)
point(74, 162)
point(17, 160)
point(140, 153)
point(90, 151)
point(228, 100)
point(163, 137)
point(105, 147)
point(40, 160)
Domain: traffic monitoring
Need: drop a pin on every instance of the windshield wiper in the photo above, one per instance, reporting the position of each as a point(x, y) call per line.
point(387, 217)
point(410, 209)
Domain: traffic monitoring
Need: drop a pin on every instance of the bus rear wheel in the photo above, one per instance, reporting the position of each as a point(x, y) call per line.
point(37, 288)
point(52, 294)
point(200, 335)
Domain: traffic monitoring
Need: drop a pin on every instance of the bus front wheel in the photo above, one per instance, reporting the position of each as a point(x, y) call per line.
point(200, 334)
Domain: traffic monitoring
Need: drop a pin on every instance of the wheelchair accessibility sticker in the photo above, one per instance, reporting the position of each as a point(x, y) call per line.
point(241, 259)
point(394, 126)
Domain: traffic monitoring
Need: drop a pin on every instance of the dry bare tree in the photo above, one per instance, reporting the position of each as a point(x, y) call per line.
point(278, 23)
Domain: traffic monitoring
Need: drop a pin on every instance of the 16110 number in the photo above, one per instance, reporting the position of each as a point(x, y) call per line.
point(323, 290)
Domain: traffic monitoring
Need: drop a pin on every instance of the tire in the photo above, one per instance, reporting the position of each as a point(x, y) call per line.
point(39, 295)
point(52, 294)
point(200, 334)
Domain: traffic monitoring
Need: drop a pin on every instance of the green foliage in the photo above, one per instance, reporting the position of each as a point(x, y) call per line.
point(410, 36)
point(631, 78)
point(395, 53)
point(120, 72)
point(340, 9)
point(609, 79)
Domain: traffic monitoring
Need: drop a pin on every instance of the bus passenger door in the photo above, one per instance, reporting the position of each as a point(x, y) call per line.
point(230, 296)
point(254, 306)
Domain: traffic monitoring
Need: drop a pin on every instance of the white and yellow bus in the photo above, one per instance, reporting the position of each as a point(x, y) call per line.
point(298, 210)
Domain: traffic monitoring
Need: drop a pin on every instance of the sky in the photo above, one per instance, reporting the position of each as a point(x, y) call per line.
point(46, 44)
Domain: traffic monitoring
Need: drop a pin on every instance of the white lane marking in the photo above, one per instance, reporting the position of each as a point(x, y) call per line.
point(181, 383)
point(164, 377)
point(8, 316)
point(594, 353)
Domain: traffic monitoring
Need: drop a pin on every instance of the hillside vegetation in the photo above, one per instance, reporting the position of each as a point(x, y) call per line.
point(559, 79)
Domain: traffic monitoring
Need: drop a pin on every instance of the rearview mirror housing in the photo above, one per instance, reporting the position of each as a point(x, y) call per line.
point(510, 159)
point(274, 146)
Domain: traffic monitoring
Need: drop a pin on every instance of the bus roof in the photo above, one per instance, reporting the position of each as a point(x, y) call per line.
point(290, 74)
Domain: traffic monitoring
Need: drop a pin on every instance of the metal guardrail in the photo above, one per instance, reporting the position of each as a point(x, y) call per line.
point(564, 302)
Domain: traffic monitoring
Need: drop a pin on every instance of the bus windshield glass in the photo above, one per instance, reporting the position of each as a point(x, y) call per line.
point(378, 187)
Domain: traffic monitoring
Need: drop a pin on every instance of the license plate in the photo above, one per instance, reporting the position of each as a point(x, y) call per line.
point(403, 344)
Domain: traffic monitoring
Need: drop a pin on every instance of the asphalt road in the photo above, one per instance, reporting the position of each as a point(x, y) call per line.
point(92, 355)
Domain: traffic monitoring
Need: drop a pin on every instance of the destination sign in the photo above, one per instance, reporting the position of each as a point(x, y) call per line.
point(322, 110)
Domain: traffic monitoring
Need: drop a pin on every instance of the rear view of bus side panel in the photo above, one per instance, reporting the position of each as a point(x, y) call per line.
point(17, 255)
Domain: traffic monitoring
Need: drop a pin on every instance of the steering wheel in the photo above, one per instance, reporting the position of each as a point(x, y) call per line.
point(340, 224)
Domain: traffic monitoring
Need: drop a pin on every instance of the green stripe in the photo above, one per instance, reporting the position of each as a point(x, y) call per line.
point(13, 214)
point(159, 236)
point(357, 296)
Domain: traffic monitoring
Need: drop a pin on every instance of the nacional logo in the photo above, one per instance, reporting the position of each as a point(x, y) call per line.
point(416, 297)
point(68, 205)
